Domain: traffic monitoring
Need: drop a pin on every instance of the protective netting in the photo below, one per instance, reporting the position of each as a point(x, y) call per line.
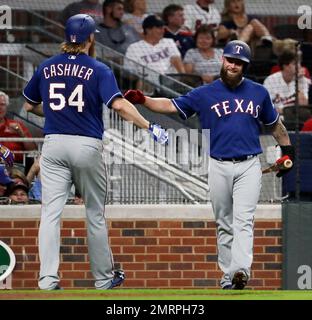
point(282, 35)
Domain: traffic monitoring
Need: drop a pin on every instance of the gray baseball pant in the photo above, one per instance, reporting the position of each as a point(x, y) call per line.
point(234, 190)
point(68, 159)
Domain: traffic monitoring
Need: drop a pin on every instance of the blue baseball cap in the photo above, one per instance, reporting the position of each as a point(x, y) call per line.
point(79, 27)
point(4, 176)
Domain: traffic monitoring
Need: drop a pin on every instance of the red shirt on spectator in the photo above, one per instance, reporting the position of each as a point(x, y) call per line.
point(7, 132)
point(307, 126)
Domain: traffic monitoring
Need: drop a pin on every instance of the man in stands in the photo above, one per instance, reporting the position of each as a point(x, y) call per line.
point(201, 12)
point(154, 54)
point(91, 7)
point(281, 85)
point(113, 32)
point(13, 129)
point(173, 17)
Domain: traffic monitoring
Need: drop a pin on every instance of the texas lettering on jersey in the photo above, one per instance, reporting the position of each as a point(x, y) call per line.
point(156, 56)
point(240, 105)
point(233, 116)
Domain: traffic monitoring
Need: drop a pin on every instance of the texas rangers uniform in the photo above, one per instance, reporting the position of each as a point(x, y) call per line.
point(73, 89)
point(233, 117)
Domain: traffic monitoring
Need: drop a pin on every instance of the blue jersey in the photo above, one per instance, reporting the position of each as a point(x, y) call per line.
point(73, 89)
point(232, 115)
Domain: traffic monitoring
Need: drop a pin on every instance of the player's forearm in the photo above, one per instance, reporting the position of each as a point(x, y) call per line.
point(280, 134)
point(160, 105)
point(35, 109)
point(129, 113)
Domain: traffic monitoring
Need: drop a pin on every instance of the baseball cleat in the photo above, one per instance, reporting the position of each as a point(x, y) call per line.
point(239, 280)
point(227, 287)
point(119, 278)
point(57, 287)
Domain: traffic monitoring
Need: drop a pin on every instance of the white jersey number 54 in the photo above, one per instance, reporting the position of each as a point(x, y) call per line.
point(74, 100)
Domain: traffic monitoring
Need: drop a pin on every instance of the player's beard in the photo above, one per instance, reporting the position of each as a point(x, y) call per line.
point(230, 80)
point(92, 52)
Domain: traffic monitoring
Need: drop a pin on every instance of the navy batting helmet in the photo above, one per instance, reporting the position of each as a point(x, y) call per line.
point(79, 27)
point(237, 49)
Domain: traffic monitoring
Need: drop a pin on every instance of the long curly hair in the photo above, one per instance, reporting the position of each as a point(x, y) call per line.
point(226, 14)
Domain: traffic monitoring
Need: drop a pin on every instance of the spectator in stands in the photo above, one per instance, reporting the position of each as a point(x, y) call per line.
point(135, 13)
point(205, 60)
point(34, 180)
point(236, 24)
point(113, 32)
point(13, 129)
point(18, 193)
point(18, 176)
point(91, 7)
point(154, 52)
point(78, 199)
point(307, 126)
point(5, 180)
point(281, 85)
point(173, 17)
point(286, 45)
point(201, 12)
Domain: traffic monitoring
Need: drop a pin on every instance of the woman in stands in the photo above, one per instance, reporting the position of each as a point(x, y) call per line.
point(204, 60)
point(135, 13)
point(236, 24)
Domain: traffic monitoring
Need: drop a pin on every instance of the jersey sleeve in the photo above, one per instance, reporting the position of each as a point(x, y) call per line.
point(31, 91)
point(187, 105)
point(108, 87)
point(268, 114)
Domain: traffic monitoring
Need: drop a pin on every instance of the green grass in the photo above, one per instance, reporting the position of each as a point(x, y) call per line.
point(157, 294)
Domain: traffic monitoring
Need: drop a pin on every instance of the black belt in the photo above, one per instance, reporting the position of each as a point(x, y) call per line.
point(235, 159)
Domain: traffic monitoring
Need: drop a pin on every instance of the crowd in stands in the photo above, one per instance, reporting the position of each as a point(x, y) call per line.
point(197, 33)
point(185, 39)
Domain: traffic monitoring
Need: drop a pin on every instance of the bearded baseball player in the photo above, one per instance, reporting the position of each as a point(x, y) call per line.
point(73, 86)
point(232, 108)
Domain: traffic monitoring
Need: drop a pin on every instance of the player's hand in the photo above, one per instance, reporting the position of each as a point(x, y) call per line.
point(6, 155)
point(158, 133)
point(135, 96)
point(286, 151)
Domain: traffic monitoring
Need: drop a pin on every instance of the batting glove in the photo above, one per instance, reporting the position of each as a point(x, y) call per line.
point(286, 151)
point(135, 96)
point(6, 155)
point(158, 133)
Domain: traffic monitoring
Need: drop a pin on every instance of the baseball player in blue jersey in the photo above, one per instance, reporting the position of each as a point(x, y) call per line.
point(232, 108)
point(73, 86)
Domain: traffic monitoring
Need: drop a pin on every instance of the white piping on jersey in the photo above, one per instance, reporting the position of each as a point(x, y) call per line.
point(267, 124)
point(116, 94)
point(30, 99)
point(176, 105)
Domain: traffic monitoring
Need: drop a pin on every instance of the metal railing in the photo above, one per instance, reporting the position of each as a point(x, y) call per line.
point(179, 171)
point(137, 176)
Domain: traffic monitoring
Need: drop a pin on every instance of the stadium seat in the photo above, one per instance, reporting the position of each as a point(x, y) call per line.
point(289, 113)
point(283, 31)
